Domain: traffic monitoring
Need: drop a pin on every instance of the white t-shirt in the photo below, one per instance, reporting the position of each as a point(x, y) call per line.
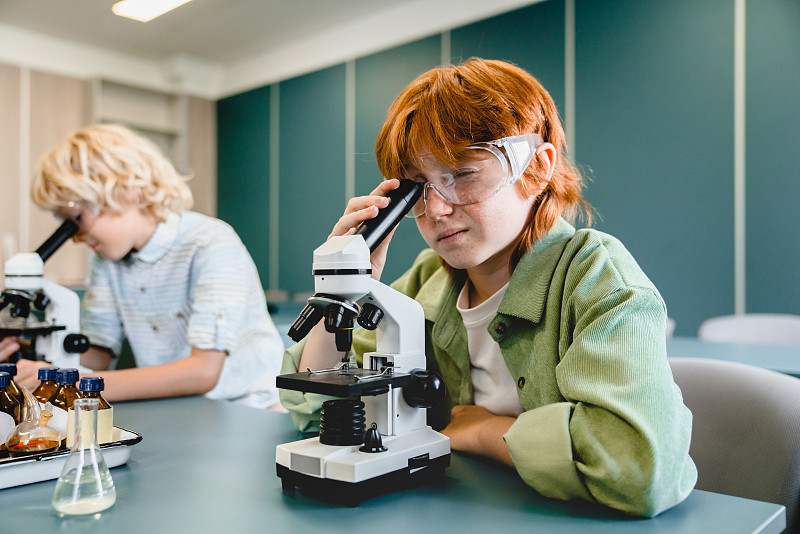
point(492, 383)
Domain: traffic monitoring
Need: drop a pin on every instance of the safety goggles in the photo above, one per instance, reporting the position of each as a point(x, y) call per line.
point(484, 169)
point(81, 212)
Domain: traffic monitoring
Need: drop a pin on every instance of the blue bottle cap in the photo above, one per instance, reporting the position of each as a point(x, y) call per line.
point(47, 373)
point(5, 379)
point(67, 376)
point(10, 368)
point(92, 383)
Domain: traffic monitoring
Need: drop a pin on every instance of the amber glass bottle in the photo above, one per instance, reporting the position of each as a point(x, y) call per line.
point(10, 412)
point(47, 384)
point(13, 388)
point(63, 399)
point(67, 392)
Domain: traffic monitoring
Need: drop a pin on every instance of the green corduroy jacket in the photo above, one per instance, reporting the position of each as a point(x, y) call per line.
point(582, 330)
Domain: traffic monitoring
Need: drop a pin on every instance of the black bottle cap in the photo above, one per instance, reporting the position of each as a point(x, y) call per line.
point(10, 368)
point(92, 383)
point(67, 376)
point(47, 373)
point(5, 379)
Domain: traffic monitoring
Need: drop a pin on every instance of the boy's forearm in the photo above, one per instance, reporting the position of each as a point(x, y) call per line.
point(195, 375)
point(96, 358)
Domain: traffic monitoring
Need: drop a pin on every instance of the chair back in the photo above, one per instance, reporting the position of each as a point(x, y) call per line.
point(745, 431)
point(766, 328)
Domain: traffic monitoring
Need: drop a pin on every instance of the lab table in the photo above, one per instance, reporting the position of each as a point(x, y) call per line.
point(208, 466)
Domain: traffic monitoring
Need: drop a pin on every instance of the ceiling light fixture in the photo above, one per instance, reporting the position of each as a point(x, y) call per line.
point(145, 10)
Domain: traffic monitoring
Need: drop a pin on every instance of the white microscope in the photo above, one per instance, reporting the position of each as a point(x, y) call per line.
point(374, 438)
point(56, 339)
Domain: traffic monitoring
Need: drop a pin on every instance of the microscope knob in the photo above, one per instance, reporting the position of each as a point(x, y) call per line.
point(426, 389)
point(370, 316)
point(42, 301)
point(76, 343)
point(372, 440)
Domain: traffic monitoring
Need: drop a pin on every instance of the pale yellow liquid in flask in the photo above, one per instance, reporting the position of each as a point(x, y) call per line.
point(85, 485)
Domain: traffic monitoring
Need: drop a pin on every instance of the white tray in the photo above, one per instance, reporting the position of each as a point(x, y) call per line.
point(48, 466)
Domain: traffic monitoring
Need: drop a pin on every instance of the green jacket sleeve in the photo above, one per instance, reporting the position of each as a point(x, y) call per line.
point(621, 435)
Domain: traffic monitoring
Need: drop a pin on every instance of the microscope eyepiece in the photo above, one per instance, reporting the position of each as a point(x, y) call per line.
point(67, 229)
point(375, 230)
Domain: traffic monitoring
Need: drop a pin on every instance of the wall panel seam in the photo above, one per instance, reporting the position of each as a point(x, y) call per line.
point(274, 186)
point(739, 151)
point(24, 158)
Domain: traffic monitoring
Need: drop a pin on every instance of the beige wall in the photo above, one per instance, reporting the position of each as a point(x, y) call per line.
point(57, 107)
point(9, 156)
point(203, 154)
point(37, 109)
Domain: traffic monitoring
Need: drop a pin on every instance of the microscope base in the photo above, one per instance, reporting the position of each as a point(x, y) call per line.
point(353, 493)
point(348, 476)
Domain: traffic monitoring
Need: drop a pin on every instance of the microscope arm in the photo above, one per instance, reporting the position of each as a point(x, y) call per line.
point(402, 330)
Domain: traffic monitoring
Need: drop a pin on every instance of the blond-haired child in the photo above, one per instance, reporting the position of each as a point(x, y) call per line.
point(180, 286)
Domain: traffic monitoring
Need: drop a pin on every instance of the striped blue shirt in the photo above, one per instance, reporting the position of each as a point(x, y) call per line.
point(192, 285)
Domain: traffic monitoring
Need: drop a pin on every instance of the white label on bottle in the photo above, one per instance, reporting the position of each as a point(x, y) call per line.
point(105, 424)
point(59, 421)
point(7, 426)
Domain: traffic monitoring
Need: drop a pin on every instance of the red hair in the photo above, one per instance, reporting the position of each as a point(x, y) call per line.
point(449, 108)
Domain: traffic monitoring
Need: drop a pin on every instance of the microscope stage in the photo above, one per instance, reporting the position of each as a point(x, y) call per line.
point(40, 329)
point(353, 382)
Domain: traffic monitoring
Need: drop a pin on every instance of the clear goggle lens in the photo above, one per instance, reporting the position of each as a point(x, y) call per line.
point(81, 212)
point(483, 171)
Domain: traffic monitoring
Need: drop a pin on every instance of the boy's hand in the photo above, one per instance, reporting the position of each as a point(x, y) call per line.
point(8, 346)
point(360, 209)
point(28, 373)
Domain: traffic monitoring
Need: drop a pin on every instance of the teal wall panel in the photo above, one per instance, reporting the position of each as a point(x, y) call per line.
point(773, 156)
point(379, 79)
point(654, 116)
point(531, 38)
point(243, 171)
point(654, 123)
point(312, 169)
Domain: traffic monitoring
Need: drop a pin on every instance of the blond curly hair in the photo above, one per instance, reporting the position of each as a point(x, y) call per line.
point(113, 169)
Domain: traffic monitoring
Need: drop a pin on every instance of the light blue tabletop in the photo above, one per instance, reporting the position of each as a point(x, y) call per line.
point(209, 467)
point(781, 358)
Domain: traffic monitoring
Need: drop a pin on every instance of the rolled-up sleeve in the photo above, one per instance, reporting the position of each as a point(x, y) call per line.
point(621, 437)
point(304, 407)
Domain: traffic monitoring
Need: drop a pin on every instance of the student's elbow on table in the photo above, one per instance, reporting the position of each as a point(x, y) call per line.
point(207, 369)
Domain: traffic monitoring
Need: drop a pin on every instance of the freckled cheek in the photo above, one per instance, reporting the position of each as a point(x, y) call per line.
point(426, 230)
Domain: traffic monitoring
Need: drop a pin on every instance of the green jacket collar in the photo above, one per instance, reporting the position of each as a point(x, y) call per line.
point(525, 298)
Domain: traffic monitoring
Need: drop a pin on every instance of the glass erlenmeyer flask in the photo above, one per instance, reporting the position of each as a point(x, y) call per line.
point(85, 485)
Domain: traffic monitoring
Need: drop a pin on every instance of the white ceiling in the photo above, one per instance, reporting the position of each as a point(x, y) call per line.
point(218, 31)
point(214, 48)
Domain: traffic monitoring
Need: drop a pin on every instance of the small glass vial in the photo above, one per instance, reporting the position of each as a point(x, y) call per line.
point(48, 386)
point(85, 485)
point(63, 399)
point(10, 412)
point(90, 388)
point(13, 388)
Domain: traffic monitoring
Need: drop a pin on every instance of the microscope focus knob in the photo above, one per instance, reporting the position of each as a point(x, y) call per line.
point(370, 316)
point(426, 389)
point(42, 301)
point(76, 343)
